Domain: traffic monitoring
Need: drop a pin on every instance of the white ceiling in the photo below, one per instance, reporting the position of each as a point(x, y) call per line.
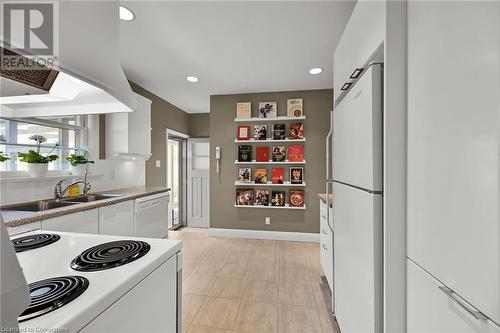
point(232, 46)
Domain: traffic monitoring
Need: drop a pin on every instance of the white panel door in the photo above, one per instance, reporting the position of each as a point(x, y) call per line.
point(198, 182)
point(357, 133)
point(453, 146)
point(357, 243)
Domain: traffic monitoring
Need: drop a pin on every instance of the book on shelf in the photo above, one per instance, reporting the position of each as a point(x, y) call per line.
point(296, 153)
point(245, 175)
point(279, 131)
point(294, 107)
point(296, 198)
point(296, 131)
point(262, 154)
point(261, 197)
point(243, 132)
point(279, 153)
point(268, 109)
point(260, 176)
point(296, 175)
point(278, 198)
point(278, 175)
point(244, 153)
point(244, 197)
point(260, 132)
point(244, 110)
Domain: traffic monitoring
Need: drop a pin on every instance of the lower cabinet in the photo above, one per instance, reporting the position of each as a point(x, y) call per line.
point(117, 219)
point(84, 222)
point(326, 243)
point(431, 308)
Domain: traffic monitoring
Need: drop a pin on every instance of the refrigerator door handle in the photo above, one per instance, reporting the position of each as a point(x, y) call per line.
point(474, 313)
point(328, 142)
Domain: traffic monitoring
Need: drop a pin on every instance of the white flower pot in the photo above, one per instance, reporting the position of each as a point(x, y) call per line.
point(78, 170)
point(37, 169)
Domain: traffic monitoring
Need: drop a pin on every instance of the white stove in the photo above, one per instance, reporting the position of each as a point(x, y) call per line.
point(122, 284)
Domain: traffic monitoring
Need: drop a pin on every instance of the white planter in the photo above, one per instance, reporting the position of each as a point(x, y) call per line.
point(37, 169)
point(78, 170)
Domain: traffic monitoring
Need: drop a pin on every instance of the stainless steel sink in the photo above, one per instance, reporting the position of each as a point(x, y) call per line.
point(38, 206)
point(91, 197)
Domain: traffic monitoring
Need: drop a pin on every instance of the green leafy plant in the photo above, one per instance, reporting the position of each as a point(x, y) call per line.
point(4, 157)
point(33, 156)
point(76, 158)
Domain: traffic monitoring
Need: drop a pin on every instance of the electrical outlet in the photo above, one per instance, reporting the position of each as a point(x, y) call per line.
point(158, 163)
point(268, 220)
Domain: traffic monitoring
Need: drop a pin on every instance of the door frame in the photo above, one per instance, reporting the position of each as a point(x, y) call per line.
point(189, 161)
point(183, 170)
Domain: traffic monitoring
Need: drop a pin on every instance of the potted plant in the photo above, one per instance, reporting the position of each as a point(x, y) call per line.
point(78, 162)
point(4, 157)
point(38, 164)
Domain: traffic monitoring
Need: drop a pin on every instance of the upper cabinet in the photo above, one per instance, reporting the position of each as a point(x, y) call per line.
point(362, 38)
point(128, 135)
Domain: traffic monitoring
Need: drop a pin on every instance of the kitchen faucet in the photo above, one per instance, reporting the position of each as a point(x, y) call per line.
point(59, 192)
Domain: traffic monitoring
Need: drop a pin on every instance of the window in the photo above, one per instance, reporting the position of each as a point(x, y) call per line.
point(68, 131)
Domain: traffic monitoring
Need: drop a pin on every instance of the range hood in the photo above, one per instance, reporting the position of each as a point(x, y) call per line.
point(87, 79)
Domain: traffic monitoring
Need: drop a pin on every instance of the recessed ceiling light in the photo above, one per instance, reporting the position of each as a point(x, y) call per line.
point(315, 70)
point(192, 79)
point(126, 14)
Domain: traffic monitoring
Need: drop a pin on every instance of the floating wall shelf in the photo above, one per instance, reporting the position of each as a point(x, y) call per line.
point(271, 207)
point(269, 184)
point(275, 119)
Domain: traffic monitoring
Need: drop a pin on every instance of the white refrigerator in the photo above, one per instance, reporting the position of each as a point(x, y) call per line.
point(358, 197)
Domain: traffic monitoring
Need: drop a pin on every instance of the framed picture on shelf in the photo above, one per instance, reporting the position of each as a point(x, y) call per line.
point(296, 175)
point(278, 198)
point(296, 153)
point(244, 153)
point(296, 198)
point(279, 154)
point(260, 176)
point(278, 175)
point(260, 132)
point(296, 131)
point(244, 197)
point(261, 197)
point(245, 175)
point(294, 107)
point(244, 132)
point(244, 110)
point(268, 109)
point(279, 131)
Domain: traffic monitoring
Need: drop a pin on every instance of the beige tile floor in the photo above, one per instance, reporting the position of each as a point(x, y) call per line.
point(247, 285)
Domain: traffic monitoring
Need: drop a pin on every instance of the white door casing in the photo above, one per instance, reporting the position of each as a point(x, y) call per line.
point(198, 183)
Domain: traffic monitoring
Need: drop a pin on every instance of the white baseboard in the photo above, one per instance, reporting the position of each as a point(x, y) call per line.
point(261, 234)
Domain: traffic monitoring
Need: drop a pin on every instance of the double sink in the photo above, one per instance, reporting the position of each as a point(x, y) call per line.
point(43, 205)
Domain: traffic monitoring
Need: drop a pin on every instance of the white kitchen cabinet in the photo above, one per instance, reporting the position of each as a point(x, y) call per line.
point(430, 310)
point(83, 222)
point(453, 148)
point(326, 243)
point(117, 219)
point(24, 228)
point(363, 35)
point(129, 134)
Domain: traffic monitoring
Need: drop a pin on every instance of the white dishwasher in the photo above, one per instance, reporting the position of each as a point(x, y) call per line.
point(151, 216)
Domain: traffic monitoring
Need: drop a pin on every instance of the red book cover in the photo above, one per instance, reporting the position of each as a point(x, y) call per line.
point(278, 175)
point(296, 153)
point(262, 154)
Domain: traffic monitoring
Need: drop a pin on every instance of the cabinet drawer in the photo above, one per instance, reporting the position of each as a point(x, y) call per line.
point(431, 310)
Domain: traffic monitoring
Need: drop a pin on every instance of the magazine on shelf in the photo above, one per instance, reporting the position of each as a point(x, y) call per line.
point(260, 176)
point(295, 107)
point(279, 154)
point(244, 153)
point(243, 132)
point(296, 198)
point(296, 153)
point(278, 198)
point(245, 175)
point(260, 132)
point(296, 131)
point(278, 175)
point(296, 175)
point(279, 132)
point(244, 197)
point(261, 197)
point(262, 154)
point(268, 109)
point(244, 110)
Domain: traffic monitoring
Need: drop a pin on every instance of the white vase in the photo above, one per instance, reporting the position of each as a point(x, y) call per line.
point(37, 169)
point(78, 170)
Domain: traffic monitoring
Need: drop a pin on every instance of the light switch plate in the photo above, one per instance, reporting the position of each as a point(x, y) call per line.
point(158, 164)
point(268, 220)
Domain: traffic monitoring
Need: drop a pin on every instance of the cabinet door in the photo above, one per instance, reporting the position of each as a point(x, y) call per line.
point(430, 310)
point(117, 219)
point(24, 228)
point(83, 222)
point(326, 245)
point(453, 146)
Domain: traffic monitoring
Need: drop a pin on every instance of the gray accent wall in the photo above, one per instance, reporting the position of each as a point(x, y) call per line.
point(223, 214)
